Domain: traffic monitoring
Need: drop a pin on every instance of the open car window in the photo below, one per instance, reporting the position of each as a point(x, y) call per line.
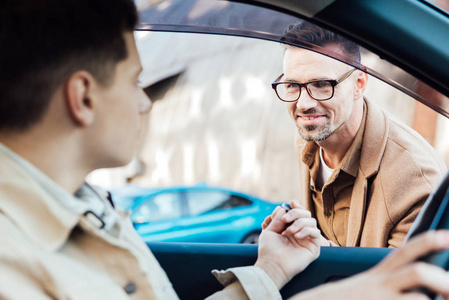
point(240, 19)
point(208, 68)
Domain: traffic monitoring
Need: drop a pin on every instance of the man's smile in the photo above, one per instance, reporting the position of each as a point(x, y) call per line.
point(309, 119)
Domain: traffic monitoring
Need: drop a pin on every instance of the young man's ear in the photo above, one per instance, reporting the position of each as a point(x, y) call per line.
point(78, 91)
point(360, 84)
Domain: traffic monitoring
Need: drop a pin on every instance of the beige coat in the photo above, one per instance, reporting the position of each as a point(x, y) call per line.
point(49, 252)
point(398, 171)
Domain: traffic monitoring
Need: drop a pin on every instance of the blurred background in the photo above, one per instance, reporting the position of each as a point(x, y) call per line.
point(216, 120)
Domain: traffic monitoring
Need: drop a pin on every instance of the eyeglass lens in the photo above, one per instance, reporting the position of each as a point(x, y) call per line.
point(319, 90)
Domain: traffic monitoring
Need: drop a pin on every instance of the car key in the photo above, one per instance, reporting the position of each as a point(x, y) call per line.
point(286, 206)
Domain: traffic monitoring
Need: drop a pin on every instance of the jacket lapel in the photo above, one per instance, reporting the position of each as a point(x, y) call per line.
point(373, 147)
point(304, 182)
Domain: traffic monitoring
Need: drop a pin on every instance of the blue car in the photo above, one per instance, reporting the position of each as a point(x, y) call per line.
point(200, 214)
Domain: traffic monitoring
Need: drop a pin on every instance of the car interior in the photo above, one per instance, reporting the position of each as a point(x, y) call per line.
point(395, 36)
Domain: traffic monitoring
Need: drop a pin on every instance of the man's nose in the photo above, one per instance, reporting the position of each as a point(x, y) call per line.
point(305, 102)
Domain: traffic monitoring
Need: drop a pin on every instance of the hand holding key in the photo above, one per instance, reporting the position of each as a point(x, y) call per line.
point(288, 243)
point(298, 223)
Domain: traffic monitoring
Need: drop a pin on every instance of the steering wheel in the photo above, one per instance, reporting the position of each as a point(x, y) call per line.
point(434, 215)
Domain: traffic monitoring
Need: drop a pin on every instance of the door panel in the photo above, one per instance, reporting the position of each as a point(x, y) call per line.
point(189, 266)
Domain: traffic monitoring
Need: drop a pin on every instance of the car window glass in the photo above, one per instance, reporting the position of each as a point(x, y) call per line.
point(203, 201)
point(237, 201)
point(163, 206)
point(200, 202)
point(217, 120)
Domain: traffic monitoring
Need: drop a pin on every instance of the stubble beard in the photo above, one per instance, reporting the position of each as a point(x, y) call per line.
point(307, 133)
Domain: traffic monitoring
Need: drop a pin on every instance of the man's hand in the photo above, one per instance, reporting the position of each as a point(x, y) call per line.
point(394, 278)
point(289, 242)
point(303, 218)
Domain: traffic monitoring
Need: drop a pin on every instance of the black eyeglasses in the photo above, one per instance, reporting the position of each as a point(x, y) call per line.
point(320, 90)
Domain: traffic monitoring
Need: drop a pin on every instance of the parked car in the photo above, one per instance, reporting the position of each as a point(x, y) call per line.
point(407, 38)
point(197, 214)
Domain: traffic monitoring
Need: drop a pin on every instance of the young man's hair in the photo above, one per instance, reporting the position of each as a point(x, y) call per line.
point(43, 42)
point(307, 34)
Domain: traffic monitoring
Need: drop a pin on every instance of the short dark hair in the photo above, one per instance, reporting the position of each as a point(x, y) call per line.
point(45, 41)
point(306, 34)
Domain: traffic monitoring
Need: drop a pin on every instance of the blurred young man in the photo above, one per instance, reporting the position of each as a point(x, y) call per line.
point(364, 175)
point(70, 103)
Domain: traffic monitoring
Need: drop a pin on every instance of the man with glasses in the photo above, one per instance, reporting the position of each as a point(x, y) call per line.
point(364, 175)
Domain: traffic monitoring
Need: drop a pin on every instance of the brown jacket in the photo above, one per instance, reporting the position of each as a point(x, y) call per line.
point(398, 171)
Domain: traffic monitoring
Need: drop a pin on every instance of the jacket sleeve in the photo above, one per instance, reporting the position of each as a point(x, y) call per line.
point(243, 283)
point(399, 232)
point(407, 182)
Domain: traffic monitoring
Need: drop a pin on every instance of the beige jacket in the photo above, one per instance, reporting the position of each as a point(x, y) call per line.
point(50, 252)
point(398, 171)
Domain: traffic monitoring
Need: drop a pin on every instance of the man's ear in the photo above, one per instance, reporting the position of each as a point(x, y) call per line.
point(360, 84)
point(78, 95)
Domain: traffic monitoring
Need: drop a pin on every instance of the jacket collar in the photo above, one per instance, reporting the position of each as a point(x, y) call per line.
point(34, 210)
point(373, 148)
point(374, 140)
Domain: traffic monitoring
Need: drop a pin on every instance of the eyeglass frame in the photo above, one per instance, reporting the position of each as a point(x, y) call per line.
point(333, 83)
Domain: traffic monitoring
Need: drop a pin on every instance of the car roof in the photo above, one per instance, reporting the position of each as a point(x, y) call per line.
point(408, 34)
